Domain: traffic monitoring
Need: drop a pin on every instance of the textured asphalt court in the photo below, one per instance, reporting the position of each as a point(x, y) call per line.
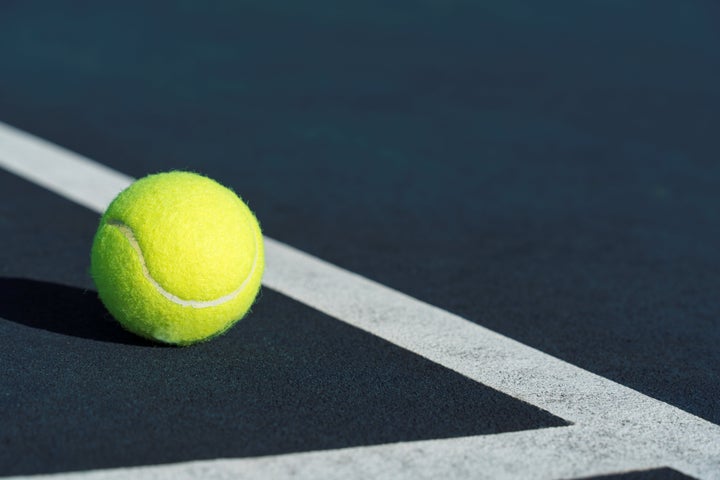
point(613, 428)
point(547, 174)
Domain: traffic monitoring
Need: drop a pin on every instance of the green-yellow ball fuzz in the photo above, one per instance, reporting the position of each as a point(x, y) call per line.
point(177, 258)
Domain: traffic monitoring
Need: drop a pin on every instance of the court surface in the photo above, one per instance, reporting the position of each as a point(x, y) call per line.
point(491, 227)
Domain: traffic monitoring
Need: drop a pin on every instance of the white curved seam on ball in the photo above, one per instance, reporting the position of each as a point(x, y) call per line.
point(130, 236)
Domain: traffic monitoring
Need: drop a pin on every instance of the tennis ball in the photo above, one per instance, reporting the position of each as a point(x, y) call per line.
point(177, 258)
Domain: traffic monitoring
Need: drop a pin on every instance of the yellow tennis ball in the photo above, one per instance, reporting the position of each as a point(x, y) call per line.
point(177, 258)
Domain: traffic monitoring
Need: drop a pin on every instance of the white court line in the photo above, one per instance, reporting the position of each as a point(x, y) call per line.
point(480, 457)
point(68, 174)
point(616, 428)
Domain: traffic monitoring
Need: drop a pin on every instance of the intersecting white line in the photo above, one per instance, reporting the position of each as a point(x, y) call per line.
point(615, 428)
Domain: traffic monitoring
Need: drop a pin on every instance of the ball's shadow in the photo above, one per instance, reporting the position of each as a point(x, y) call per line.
point(61, 309)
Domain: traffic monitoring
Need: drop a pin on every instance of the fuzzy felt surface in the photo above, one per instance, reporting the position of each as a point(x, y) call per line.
point(177, 258)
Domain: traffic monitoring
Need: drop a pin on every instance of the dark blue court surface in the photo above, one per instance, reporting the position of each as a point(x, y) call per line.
point(548, 170)
point(81, 393)
point(655, 474)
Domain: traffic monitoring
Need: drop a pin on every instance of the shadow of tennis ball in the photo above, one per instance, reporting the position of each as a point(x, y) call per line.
point(61, 309)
